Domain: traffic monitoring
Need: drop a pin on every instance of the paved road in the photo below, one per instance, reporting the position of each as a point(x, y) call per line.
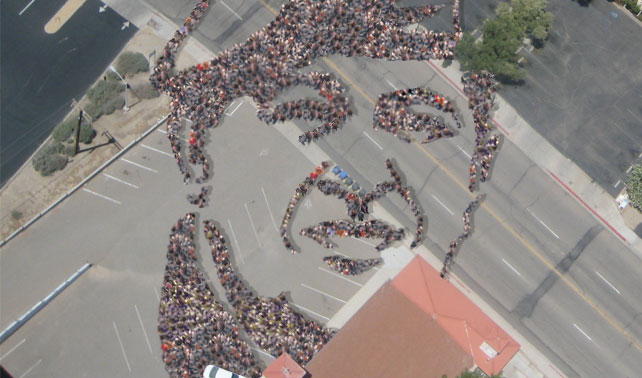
point(527, 230)
point(42, 73)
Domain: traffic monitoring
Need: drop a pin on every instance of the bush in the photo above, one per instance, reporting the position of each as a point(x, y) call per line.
point(94, 110)
point(87, 133)
point(103, 91)
point(15, 214)
point(49, 158)
point(130, 63)
point(69, 150)
point(65, 129)
point(110, 106)
point(634, 186)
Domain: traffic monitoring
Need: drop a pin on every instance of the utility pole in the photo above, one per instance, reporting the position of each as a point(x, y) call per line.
point(78, 133)
point(126, 108)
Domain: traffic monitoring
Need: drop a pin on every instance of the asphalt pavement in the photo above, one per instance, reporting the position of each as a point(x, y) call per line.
point(536, 256)
point(42, 73)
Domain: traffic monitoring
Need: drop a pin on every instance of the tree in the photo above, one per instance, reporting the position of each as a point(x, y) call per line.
point(634, 186)
point(498, 51)
point(466, 50)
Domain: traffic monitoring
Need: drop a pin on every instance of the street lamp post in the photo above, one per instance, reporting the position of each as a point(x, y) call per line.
point(126, 108)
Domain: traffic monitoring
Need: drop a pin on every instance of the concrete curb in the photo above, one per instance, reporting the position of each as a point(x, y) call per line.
point(84, 181)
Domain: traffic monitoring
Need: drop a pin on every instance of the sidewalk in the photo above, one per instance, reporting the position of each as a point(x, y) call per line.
point(568, 175)
point(27, 193)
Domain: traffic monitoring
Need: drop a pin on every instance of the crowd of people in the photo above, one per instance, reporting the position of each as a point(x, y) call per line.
point(269, 60)
point(350, 267)
point(357, 208)
point(450, 255)
point(480, 89)
point(270, 322)
point(200, 200)
point(393, 114)
point(372, 229)
point(195, 330)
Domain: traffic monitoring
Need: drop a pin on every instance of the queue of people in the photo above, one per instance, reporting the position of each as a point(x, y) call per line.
point(270, 322)
point(269, 60)
point(450, 255)
point(372, 229)
point(195, 330)
point(200, 200)
point(392, 113)
point(350, 267)
point(480, 89)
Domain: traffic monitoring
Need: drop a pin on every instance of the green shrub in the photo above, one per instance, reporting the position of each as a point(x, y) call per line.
point(94, 111)
point(65, 129)
point(110, 106)
point(69, 150)
point(87, 133)
point(49, 158)
point(634, 186)
point(103, 91)
point(130, 63)
point(15, 214)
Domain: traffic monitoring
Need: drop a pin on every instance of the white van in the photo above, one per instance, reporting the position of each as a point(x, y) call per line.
point(212, 371)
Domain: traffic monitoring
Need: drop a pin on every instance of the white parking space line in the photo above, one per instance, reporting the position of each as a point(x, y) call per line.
point(231, 10)
point(238, 248)
point(138, 165)
point(263, 353)
point(511, 267)
point(235, 109)
point(269, 210)
point(12, 349)
point(157, 295)
point(583, 333)
point(617, 183)
point(120, 181)
point(322, 293)
point(464, 152)
point(543, 224)
point(340, 276)
point(165, 132)
point(311, 312)
point(156, 150)
point(392, 85)
point(629, 110)
point(340, 254)
point(25, 8)
point(122, 347)
point(373, 141)
point(629, 170)
point(102, 196)
point(607, 282)
point(252, 224)
point(442, 204)
point(363, 241)
point(30, 369)
point(144, 332)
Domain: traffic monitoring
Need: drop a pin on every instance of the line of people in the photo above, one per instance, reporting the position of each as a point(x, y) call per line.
point(450, 255)
point(480, 88)
point(270, 322)
point(195, 330)
point(268, 62)
point(372, 229)
point(200, 200)
point(393, 114)
point(350, 267)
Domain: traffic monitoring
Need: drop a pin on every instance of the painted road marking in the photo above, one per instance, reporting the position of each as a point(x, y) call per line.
point(607, 282)
point(363, 241)
point(156, 150)
point(122, 347)
point(138, 165)
point(442, 204)
point(12, 349)
point(617, 183)
point(157, 296)
point(341, 276)
point(543, 224)
point(372, 140)
point(252, 224)
point(322, 293)
point(233, 111)
point(511, 267)
point(144, 332)
point(465, 153)
point(311, 312)
point(490, 211)
point(269, 210)
point(101, 196)
point(583, 333)
point(25, 8)
point(120, 181)
point(165, 132)
point(389, 83)
point(340, 254)
point(238, 248)
point(231, 10)
point(263, 352)
point(31, 368)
